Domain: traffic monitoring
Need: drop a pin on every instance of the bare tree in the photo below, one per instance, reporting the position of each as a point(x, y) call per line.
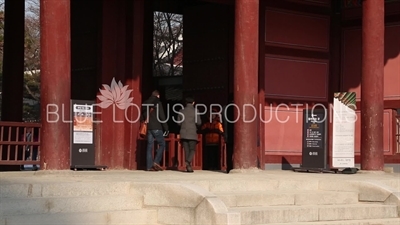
point(31, 111)
point(1, 33)
point(167, 44)
point(32, 36)
point(32, 61)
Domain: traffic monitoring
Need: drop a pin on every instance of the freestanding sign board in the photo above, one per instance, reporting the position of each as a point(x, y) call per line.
point(343, 138)
point(314, 151)
point(82, 137)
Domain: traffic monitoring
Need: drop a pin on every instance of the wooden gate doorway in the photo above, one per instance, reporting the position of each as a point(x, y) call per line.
point(207, 52)
point(208, 63)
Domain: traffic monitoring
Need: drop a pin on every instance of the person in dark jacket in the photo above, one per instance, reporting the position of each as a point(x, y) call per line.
point(189, 120)
point(156, 129)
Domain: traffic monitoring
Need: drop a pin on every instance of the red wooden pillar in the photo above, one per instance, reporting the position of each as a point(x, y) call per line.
point(113, 66)
point(373, 26)
point(335, 62)
point(261, 86)
point(134, 73)
point(55, 84)
point(246, 83)
point(13, 60)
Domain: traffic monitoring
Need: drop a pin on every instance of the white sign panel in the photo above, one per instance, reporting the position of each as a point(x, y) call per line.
point(344, 118)
point(83, 124)
point(83, 137)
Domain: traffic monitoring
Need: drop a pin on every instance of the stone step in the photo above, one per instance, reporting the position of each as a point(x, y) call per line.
point(22, 206)
point(308, 213)
point(255, 198)
point(391, 221)
point(262, 185)
point(63, 189)
point(131, 217)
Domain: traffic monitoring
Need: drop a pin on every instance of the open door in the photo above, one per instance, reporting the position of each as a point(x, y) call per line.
point(208, 56)
point(208, 52)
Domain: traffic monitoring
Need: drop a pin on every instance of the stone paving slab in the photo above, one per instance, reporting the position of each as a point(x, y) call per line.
point(200, 189)
point(198, 177)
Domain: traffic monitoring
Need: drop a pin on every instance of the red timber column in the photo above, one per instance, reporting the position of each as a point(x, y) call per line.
point(13, 61)
point(122, 61)
point(373, 27)
point(246, 83)
point(55, 84)
point(113, 151)
point(136, 33)
point(261, 86)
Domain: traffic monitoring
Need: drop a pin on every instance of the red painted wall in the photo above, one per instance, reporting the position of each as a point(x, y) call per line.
point(296, 71)
point(304, 79)
point(290, 72)
point(297, 65)
point(283, 136)
point(351, 62)
point(283, 130)
point(296, 30)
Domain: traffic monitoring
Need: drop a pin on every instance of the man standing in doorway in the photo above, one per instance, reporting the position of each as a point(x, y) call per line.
point(157, 128)
point(189, 120)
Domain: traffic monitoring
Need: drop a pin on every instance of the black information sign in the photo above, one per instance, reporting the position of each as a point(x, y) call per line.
point(82, 135)
point(314, 139)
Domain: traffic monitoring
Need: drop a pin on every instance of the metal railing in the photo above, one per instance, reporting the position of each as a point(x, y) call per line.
point(174, 156)
point(19, 143)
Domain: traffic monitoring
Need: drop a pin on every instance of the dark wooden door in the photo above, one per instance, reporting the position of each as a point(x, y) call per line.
point(208, 56)
point(208, 52)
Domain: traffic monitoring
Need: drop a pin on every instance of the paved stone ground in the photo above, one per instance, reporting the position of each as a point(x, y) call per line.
point(180, 176)
point(199, 189)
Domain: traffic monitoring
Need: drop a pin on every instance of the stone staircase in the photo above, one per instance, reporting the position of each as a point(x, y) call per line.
point(232, 200)
point(314, 202)
point(307, 207)
point(73, 203)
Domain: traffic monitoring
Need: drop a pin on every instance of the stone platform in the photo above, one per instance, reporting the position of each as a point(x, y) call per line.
point(252, 197)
